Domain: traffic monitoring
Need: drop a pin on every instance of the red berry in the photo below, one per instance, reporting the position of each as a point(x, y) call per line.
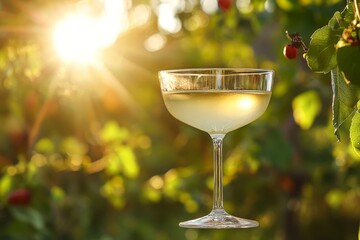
point(224, 5)
point(290, 51)
point(19, 197)
point(287, 184)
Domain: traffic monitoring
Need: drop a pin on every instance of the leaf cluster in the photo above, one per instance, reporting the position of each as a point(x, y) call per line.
point(334, 48)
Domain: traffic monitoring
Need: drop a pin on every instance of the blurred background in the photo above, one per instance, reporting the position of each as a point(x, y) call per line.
point(88, 150)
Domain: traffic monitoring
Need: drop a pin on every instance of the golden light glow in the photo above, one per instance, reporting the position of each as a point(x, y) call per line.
point(209, 6)
point(246, 103)
point(168, 20)
point(73, 39)
point(155, 42)
point(79, 37)
point(156, 182)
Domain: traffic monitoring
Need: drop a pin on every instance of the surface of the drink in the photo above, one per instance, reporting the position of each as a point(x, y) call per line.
point(217, 111)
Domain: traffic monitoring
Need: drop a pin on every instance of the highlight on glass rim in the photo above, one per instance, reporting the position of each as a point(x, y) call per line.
point(173, 120)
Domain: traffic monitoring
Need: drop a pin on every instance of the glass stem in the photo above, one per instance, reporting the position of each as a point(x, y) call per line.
point(218, 172)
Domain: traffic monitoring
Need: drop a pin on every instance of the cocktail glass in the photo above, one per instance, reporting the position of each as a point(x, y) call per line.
point(217, 101)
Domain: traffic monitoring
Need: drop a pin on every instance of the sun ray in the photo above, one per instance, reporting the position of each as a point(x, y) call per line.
point(108, 79)
point(95, 77)
point(31, 11)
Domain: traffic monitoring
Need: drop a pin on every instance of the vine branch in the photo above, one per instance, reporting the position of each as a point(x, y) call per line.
point(357, 10)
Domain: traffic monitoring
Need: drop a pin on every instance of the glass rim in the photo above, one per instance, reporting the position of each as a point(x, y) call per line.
point(202, 71)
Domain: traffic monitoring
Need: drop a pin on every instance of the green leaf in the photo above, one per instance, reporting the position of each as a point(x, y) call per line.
point(128, 160)
point(29, 216)
point(113, 190)
point(355, 132)
point(114, 164)
point(321, 56)
point(5, 184)
point(348, 14)
point(57, 193)
point(306, 106)
point(286, 4)
point(45, 145)
point(335, 198)
point(335, 21)
point(345, 97)
point(112, 132)
point(348, 58)
point(73, 146)
point(123, 160)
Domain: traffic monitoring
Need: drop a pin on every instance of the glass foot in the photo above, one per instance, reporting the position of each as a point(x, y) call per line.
point(219, 219)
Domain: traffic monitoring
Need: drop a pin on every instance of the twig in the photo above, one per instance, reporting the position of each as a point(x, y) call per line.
point(357, 9)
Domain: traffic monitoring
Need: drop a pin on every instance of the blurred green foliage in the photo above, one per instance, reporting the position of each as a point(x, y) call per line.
point(103, 158)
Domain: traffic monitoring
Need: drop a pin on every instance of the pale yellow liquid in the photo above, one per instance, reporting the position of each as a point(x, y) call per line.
point(217, 111)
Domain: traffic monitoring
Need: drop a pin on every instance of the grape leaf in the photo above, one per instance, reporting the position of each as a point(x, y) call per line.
point(349, 64)
point(345, 97)
point(306, 106)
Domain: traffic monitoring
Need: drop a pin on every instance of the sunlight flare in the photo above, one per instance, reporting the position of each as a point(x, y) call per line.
point(80, 37)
